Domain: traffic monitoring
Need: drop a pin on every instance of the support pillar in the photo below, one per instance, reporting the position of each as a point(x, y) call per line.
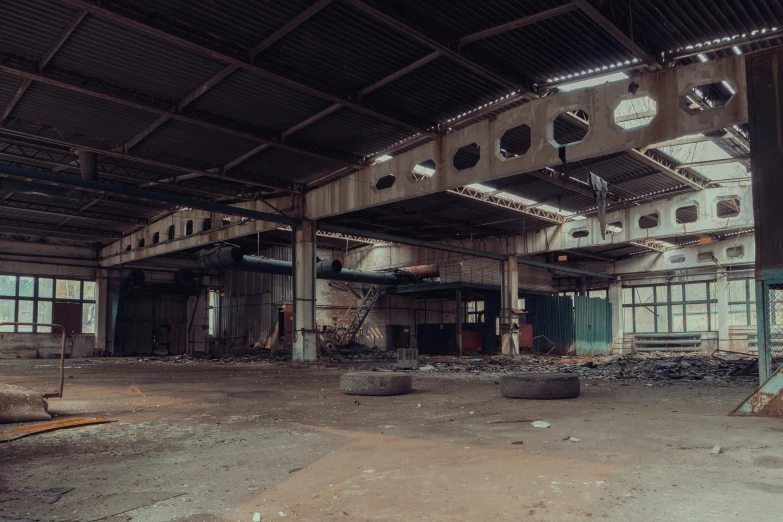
point(722, 295)
point(509, 295)
point(583, 286)
point(101, 310)
point(616, 302)
point(458, 319)
point(304, 334)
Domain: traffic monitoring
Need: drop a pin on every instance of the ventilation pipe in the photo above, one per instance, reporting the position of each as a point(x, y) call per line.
point(332, 269)
point(8, 185)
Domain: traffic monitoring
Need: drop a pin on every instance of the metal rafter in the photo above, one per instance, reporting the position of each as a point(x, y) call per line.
point(499, 201)
point(48, 227)
point(446, 50)
point(70, 213)
point(516, 24)
point(615, 32)
point(242, 63)
point(651, 244)
point(287, 28)
point(47, 57)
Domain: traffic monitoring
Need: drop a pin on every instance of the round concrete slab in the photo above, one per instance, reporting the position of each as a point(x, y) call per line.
point(540, 386)
point(375, 383)
point(19, 404)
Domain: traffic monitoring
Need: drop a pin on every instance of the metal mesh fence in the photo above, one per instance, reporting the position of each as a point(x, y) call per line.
point(775, 316)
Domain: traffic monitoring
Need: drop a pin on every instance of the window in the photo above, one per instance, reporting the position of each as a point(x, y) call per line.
point(475, 311)
point(672, 307)
point(742, 302)
point(32, 299)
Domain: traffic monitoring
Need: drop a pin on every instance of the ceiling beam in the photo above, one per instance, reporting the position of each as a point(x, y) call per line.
point(516, 24)
point(242, 63)
point(508, 204)
point(449, 53)
point(672, 171)
point(47, 57)
point(707, 163)
point(615, 32)
point(287, 28)
point(35, 226)
point(70, 213)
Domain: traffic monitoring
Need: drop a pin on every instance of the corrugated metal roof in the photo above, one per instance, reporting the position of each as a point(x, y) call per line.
point(437, 91)
point(287, 165)
point(354, 133)
point(191, 141)
point(8, 86)
point(31, 27)
point(246, 97)
point(102, 49)
point(344, 48)
point(78, 113)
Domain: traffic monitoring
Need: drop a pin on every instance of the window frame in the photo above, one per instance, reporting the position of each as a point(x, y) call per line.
point(671, 306)
point(36, 299)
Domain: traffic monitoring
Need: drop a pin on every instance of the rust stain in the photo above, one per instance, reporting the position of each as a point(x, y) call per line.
point(41, 427)
point(767, 404)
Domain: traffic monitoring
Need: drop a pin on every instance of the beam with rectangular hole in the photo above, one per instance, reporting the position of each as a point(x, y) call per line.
point(667, 87)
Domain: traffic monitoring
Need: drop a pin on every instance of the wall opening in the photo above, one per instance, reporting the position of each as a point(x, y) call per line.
point(677, 259)
point(649, 220)
point(156, 238)
point(206, 224)
point(423, 170)
point(570, 127)
point(189, 227)
point(466, 156)
point(688, 214)
point(225, 221)
point(128, 248)
point(709, 96)
point(141, 243)
point(705, 256)
point(580, 233)
point(728, 208)
point(385, 182)
point(614, 228)
point(635, 112)
point(515, 142)
point(171, 232)
point(735, 251)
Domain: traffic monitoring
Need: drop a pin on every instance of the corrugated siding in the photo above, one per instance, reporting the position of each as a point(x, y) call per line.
point(553, 322)
point(593, 325)
point(470, 270)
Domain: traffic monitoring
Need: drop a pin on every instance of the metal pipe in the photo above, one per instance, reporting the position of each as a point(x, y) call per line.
point(96, 186)
point(332, 269)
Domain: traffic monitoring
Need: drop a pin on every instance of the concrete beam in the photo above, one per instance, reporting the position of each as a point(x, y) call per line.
point(741, 248)
point(668, 87)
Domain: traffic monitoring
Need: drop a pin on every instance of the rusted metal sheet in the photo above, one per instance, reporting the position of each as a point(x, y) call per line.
point(23, 431)
point(767, 400)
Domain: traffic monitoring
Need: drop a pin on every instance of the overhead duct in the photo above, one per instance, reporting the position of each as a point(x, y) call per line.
point(8, 185)
point(332, 269)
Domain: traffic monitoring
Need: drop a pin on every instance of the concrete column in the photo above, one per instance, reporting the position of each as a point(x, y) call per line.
point(458, 319)
point(722, 295)
point(583, 286)
point(101, 310)
point(616, 301)
point(304, 293)
point(509, 295)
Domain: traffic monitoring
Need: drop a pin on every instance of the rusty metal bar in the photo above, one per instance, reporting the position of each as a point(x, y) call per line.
point(59, 392)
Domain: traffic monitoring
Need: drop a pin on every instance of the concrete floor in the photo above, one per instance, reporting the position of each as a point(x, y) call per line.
point(209, 442)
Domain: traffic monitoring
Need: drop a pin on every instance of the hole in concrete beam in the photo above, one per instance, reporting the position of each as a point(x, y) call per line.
point(580, 233)
point(613, 228)
point(649, 220)
point(206, 224)
point(688, 214)
point(634, 112)
point(677, 259)
point(570, 127)
point(709, 96)
point(171, 232)
point(705, 256)
point(156, 238)
point(728, 208)
point(735, 251)
point(385, 182)
point(467, 156)
point(423, 170)
point(189, 227)
point(141, 243)
point(515, 142)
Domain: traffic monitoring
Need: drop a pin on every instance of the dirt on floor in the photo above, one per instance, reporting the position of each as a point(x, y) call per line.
point(268, 441)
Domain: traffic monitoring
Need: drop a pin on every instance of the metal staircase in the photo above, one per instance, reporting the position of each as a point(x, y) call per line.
point(362, 310)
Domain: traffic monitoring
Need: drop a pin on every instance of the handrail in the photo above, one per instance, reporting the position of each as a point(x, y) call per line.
point(57, 393)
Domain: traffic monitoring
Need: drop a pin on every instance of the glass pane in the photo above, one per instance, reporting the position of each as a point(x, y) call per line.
point(68, 289)
point(663, 318)
point(628, 319)
point(27, 287)
point(678, 325)
point(696, 292)
point(676, 293)
point(714, 317)
point(661, 294)
point(597, 293)
point(752, 289)
point(696, 317)
point(88, 318)
point(7, 285)
point(7, 314)
point(712, 290)
point(644, 294)
point(738, 315)
point(627, 295)
point(44, 316)
point(89, 291)
point(645, 319)
point(753, 315)
point(25, 315)
point(45, 287)
point(737, 290)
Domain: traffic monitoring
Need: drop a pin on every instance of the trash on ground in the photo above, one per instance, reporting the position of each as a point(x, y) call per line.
point(540, 424)
point(716, 450)
point(41, 427)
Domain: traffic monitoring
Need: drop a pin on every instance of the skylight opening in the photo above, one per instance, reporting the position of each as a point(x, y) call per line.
point(592, 82)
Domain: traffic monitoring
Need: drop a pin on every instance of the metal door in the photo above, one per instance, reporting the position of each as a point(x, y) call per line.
point(593, 318)
point(552, 318)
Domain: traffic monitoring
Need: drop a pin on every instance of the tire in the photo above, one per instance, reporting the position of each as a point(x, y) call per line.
point(375, 383)
point(540, 386)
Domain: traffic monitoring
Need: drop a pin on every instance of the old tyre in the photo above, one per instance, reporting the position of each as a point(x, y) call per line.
point(540, 386)
point(375, 383)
